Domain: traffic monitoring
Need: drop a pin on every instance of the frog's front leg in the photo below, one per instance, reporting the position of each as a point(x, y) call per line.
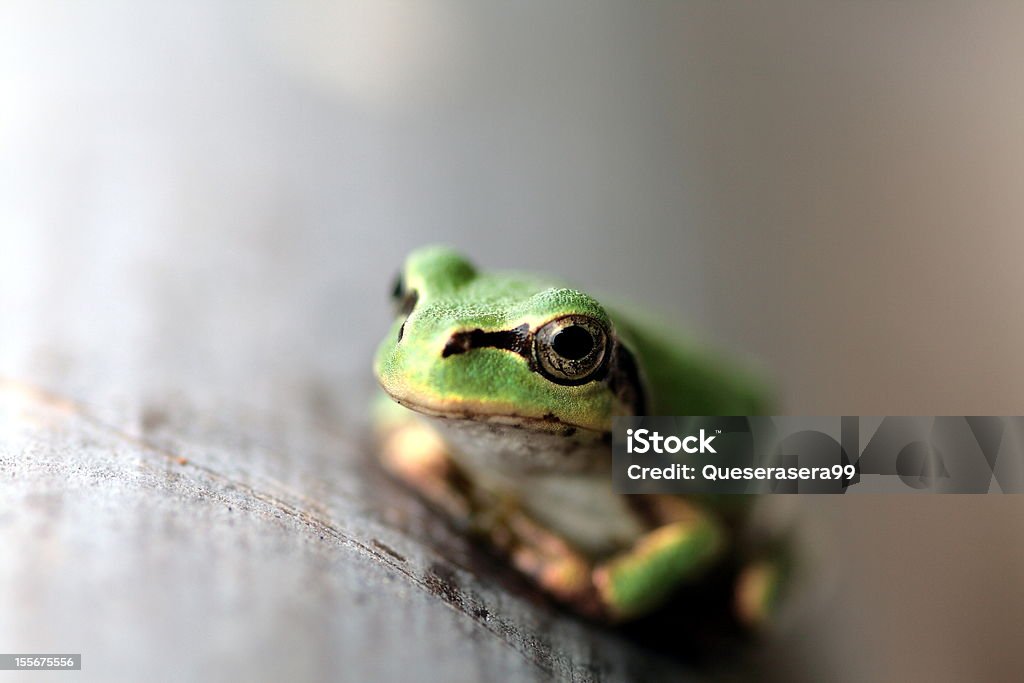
point(416, 455)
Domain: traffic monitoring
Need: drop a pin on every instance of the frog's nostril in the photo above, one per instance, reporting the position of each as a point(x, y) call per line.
point(405, 307)
point(408, 302)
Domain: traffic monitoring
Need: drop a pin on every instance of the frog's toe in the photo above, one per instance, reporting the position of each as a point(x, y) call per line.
point(640, 579)
point(758, 589)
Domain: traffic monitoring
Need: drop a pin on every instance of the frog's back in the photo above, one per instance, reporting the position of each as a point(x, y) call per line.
point(683, 378)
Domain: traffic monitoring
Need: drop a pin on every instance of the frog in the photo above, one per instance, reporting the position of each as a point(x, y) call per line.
point(499, 391)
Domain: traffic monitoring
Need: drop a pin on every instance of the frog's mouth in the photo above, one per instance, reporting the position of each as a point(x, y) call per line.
point(515, 445)
point(514, 450)
point(479, 412)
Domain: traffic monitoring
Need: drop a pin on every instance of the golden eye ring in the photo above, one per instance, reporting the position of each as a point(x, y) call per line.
point(572, 349)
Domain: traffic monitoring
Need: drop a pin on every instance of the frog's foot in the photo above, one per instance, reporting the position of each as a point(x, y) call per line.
point(636, 581)
point(758, 589)
point(544, 556)
point(626, 585)
point(413, 452)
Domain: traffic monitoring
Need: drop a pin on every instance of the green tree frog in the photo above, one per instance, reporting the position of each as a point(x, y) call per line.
point(500, 390)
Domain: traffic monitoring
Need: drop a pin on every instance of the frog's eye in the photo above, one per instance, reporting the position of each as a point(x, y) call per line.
point(571, 349)
point(397, 287)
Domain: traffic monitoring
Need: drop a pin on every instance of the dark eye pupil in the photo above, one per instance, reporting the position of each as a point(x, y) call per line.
point(573, 343)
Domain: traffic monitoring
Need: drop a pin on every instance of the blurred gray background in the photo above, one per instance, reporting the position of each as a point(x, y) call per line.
point(207, 201)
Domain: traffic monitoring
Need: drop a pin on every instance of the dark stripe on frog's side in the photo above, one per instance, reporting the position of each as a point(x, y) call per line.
point(622, 373)
point(625, 381)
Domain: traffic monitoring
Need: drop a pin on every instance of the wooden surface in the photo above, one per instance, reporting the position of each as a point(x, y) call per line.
point(251, 546)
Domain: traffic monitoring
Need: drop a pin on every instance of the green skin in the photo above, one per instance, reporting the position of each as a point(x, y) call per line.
point(521, 454)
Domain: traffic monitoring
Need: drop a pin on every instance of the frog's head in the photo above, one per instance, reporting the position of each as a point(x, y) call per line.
point(504, 347)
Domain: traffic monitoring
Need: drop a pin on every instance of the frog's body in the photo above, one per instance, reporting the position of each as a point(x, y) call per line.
point(513, 381)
